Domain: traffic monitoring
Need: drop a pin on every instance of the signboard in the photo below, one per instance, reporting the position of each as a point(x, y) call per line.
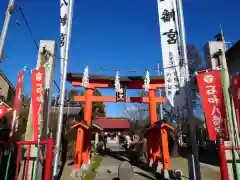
point(121, 95)
point(211, 92)
point(170, 47)
point(37, 101)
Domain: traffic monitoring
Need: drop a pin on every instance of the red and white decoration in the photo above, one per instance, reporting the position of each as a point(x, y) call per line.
point(147, 81)
point(236, 96)
point(38, 76)
point(3, 110)
point(85, 79)
point(17, 107)
point(211, 92)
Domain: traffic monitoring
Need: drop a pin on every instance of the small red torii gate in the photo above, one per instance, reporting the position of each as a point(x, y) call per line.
point(155, 145)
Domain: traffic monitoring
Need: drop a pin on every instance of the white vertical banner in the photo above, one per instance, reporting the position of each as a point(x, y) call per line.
point(170, 47)
point(64, 15)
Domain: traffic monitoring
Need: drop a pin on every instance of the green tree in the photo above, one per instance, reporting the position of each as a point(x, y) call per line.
point(74, 92)
point(98, 108)
point(194, 58)
point(194, 64)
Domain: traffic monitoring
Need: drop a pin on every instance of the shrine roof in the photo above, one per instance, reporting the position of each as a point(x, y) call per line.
point(108, 123)
point(95, 77)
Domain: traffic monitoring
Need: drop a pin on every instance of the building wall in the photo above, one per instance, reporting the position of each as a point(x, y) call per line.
point(4, 87)
point(7, 90)
point(11, 94)
point(233, 59)
point(209, 50)
point(234, 66)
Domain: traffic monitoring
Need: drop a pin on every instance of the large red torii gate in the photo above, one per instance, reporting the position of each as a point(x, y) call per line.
point(157, 138)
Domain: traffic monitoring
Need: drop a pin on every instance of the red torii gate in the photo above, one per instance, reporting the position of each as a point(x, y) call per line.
point(155, 145)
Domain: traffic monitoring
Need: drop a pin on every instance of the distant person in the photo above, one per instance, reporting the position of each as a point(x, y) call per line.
point(129, 141)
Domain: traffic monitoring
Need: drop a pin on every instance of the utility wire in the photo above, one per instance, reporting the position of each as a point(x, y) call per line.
point(35, 42)
point(101, 68)
point(132, 71)
point(28, 27)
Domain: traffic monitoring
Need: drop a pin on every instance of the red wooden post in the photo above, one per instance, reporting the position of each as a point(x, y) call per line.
point(49, 160)
point(165, 151)
point(154, 146)
point(222, 159)
point(88, 119)
point(27, 163)
point(78, 158)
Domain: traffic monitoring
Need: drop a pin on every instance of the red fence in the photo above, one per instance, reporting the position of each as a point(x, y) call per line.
point(20, 158)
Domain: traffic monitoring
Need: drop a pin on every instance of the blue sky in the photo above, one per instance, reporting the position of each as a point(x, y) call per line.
point(113, 34)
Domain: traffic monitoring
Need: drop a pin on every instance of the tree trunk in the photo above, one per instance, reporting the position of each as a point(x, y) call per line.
point(174, 149)
point(173, 144)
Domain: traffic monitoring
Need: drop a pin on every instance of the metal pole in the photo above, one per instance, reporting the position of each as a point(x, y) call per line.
point(194, 166)
point(62, 93)
point(183, 37)
point(223, 39)
point(230, 102)
point(160, 94)
point(9, 11)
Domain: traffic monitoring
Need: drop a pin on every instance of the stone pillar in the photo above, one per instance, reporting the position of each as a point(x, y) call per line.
point(117, 139)
point(46, 58)
point(96, 140)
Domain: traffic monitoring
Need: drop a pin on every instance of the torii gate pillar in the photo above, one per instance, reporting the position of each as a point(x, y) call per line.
point(88, 119)
point(153, 143)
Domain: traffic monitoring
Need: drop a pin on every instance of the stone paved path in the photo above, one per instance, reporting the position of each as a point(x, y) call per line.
point(108, 169)
point(208, 172)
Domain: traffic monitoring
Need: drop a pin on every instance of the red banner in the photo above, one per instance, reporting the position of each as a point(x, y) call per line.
point(211, 92)
point(17, 107)
point(19, 96)
point(3, 110)
point(37, 100)
point(236, 96)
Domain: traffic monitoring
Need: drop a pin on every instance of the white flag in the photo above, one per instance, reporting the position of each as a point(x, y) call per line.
point(66, 8)
point(64, 13)
point(170, 47)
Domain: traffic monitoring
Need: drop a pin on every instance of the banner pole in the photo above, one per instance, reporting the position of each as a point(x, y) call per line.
point(9, 11)
point(230, 120)
point(160, 94)
point(62, 91)
point(193, 159)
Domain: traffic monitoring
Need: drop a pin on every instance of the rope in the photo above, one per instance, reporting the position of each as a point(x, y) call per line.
point(229, 116)
point(11, 151)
